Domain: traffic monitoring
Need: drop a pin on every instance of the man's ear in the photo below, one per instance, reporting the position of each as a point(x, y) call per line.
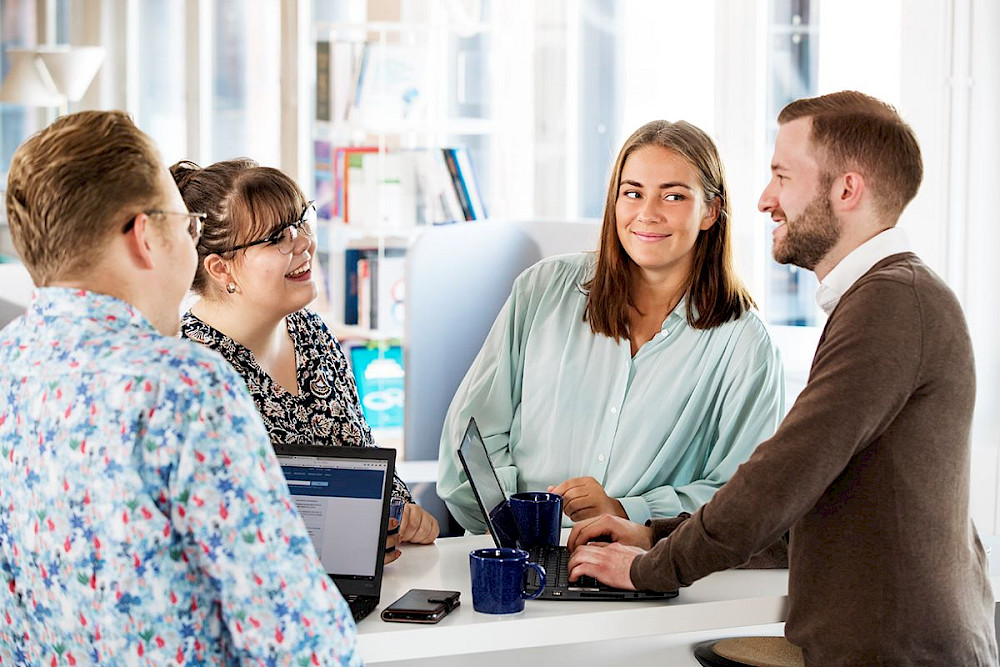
point(217, 270)
point(848, 191)
point(137, 242)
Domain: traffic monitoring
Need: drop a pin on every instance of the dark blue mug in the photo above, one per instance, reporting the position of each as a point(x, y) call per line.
point(539, 518)
point(498, 580)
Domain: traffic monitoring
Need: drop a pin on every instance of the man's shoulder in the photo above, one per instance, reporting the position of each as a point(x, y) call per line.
point(904, 275)
point(184, 359)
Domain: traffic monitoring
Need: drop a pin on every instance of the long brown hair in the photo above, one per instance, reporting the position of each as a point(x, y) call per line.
point(714, 292)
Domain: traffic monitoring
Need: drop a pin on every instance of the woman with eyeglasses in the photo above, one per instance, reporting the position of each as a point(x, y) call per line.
point(255, 279)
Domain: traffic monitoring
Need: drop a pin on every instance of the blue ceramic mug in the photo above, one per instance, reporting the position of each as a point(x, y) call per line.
point(539, 518)
point(498, 580)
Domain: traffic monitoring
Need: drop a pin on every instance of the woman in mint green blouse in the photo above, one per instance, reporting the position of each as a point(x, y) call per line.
point(633, 380)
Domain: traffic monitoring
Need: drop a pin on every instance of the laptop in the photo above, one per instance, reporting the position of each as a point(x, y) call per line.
point(343, 496)
point(500, 521)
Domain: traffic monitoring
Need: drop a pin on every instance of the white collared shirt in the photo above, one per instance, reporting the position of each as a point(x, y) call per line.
point(857, 263)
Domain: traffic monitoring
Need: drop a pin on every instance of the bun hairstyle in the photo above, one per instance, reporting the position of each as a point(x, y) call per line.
point(183, 171)
point(242, 200)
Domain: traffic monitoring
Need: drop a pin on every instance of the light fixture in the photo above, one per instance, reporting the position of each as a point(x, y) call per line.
point(50, 76)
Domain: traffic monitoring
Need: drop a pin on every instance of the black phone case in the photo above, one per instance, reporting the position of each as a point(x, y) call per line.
point(421, 606)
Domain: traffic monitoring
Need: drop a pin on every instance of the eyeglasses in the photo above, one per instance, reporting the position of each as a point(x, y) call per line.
point(195, 221)
point(284, 237)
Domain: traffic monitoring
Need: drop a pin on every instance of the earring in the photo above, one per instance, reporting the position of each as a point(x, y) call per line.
point(231, 287)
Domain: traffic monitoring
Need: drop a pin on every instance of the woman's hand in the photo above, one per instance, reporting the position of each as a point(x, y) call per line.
point(584, 498)
point(418, 526)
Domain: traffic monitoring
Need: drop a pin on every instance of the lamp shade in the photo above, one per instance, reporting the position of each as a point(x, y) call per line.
point(72, 68)
point(28, 82)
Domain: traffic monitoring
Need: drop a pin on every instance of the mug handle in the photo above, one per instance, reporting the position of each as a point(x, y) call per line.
point(541, 581)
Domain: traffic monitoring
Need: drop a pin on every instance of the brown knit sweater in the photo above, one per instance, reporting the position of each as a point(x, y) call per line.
point(870, 470)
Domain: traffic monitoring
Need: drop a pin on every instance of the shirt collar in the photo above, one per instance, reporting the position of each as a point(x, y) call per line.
point(677, 316)
point(79, 305)
point(857, 263)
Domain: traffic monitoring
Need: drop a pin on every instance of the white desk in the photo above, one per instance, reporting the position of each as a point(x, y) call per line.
point(732, 599)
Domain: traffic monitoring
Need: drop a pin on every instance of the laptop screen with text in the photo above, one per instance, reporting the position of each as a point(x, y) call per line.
point(340, 501)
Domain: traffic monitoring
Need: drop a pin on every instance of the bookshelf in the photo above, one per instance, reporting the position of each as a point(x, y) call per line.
point(405, 135)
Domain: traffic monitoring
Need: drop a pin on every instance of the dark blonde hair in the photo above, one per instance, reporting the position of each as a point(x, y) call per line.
point(243, 201)
point(70, 187)
point(852, 131)
point(714, 292)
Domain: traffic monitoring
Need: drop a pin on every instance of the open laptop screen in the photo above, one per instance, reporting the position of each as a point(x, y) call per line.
point(485, 485)
point(341, 502)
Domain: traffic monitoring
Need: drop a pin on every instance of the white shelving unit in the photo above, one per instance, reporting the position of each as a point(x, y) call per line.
point(460, 101)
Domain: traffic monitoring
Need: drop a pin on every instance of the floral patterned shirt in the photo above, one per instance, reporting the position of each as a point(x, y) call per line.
point(326, 410)
point(144, 519)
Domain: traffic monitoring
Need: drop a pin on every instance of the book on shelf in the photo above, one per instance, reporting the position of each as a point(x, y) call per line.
point(343, 158)
point(323, 187)
point(338, 67)
point(437, 194)
point(323, 80)
point(400, 188)
point(375, 289)
point(468, 176)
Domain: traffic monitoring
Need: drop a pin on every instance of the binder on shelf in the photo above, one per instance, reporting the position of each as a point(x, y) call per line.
point(351, 258)
point(323, 80)
point(374, 288)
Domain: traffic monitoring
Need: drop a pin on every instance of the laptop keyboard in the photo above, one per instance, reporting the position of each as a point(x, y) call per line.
point(555, 560)
point(361, 606)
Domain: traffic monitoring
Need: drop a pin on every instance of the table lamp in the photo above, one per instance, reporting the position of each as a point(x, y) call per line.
point(50, 76)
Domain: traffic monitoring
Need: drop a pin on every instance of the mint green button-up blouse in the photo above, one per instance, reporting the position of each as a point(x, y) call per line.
point(661, 431)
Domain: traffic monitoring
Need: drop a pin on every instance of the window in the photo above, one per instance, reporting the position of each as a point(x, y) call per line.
point(237, 45)
point(18, 29)
point(792, 67)
point(162, 86)
point(246, 106)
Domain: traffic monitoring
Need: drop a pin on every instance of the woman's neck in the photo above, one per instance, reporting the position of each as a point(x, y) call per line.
point(657, 296)
point(259, 333)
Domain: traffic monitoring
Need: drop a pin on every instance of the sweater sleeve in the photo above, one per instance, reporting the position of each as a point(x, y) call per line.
point(864, 371)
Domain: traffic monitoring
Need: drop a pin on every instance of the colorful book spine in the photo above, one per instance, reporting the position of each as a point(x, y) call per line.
point(463, 195)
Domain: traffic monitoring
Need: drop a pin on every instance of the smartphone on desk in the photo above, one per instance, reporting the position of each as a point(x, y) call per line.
point(420, 605)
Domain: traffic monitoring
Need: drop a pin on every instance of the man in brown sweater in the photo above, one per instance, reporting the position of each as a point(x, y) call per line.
point(870, 469)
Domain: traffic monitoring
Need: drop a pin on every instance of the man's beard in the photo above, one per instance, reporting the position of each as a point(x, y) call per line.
point(810, 236)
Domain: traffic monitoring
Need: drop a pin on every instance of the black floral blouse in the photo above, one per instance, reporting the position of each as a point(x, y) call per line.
point(325, 412)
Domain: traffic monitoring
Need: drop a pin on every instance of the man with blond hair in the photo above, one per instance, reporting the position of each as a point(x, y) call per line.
point(870, 468)
point(145, 518)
